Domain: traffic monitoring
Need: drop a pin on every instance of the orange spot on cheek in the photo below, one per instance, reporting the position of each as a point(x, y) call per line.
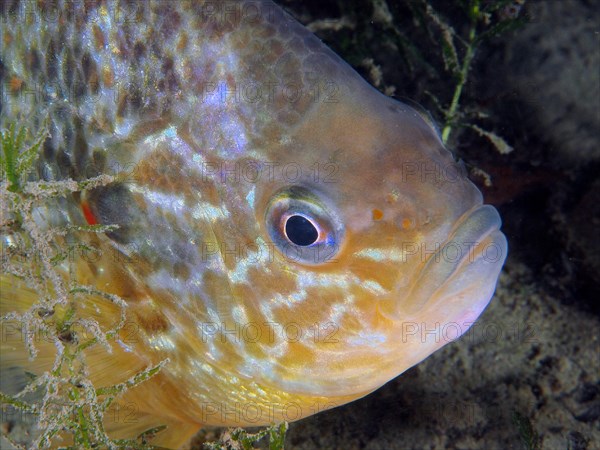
point(406, 224)
point(377, 214)
point(88, 214)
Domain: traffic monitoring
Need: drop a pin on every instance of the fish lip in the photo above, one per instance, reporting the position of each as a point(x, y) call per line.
point(473, 255)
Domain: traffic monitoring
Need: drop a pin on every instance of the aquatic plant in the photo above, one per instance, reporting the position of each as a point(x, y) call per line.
point(529, 437)
point(239, 438)
point(65, 401)
point(458, 53)
point(436, 43)
point(458, 49)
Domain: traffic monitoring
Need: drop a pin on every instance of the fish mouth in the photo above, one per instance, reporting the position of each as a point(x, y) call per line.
point(459, 279)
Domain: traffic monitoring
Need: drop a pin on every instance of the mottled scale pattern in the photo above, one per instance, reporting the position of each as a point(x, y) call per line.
point(121, 65)
point(217, 119)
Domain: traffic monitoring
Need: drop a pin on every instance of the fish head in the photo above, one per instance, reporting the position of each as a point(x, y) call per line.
point(387, 250)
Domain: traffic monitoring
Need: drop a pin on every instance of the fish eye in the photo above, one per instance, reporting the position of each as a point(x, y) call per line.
point(302, 228)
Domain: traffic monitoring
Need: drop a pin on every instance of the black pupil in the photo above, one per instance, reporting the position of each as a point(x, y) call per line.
point(301, 231)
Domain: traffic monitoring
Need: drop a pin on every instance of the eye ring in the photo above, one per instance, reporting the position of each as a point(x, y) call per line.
point(302, 227)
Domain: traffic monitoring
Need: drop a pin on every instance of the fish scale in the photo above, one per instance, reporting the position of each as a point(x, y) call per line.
point(221, 121)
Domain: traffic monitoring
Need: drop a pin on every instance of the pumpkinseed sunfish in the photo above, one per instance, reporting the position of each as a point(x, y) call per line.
point(289, 238)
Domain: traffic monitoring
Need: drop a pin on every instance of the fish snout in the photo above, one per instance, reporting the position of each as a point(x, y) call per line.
point(459, 278)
